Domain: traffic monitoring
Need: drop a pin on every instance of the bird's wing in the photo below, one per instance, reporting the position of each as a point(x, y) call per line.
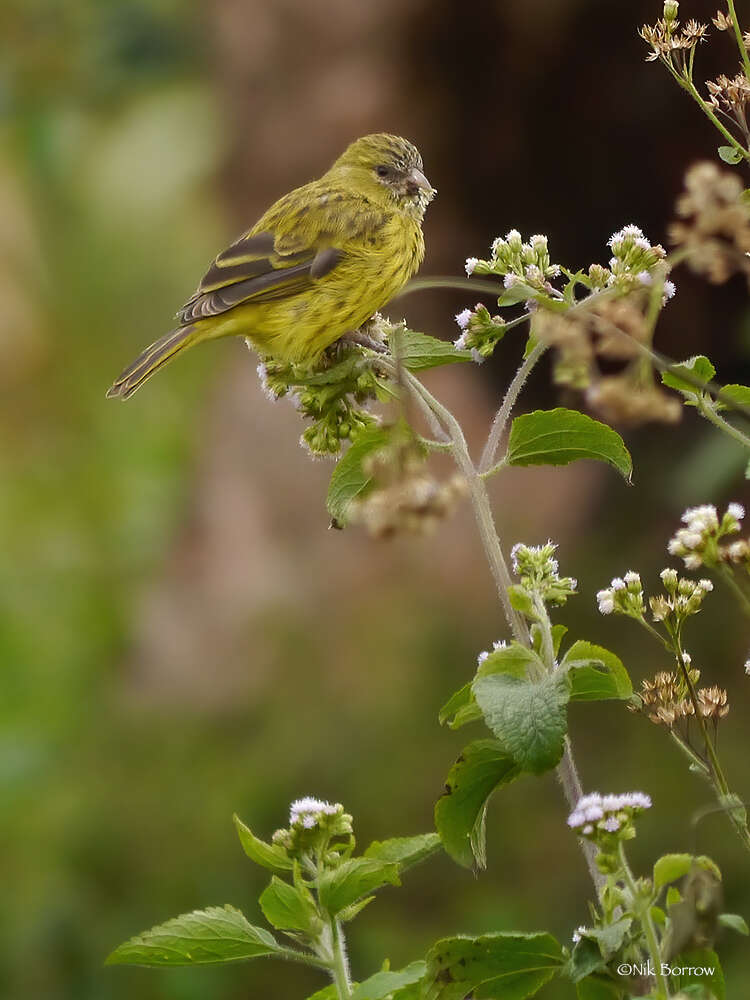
point(303, 237)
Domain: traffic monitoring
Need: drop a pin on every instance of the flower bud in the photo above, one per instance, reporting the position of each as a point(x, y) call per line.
point(671, 8)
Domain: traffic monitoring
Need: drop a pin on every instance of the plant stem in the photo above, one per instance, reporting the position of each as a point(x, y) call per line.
point(707, 410)
point(728, 577)
point(738, 36)
point(642, 907)
point(503, 414)
point(339, 962)
point(441, 418)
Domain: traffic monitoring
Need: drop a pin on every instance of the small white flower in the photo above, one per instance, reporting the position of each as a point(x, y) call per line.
point(611, 824)
point(747, 667)
point(687, 659)
point(476, 357)
point(693, 561)
point(737, 550)
point(642, 243)
point(669, 289)
point(511, 279)
point(533, 273)
point(513, 236)
point(463, 318)
point(460, 342)
point(605, 600)
point(618, 583)
point(632, 577)
point(538, 241)
point(577, 933)
point(705, 585)
point(644, 278)
point(471, 263)
point(736, 510)
point(482, 657)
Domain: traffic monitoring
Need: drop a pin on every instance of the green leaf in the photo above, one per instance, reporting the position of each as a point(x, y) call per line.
point(357, 877)
point(519, 291)
point(560, 436)
point(585, 958)
point(267, 855)
point(350, 912)
point(501, 966)
point(288, 907)
point(598, 988)
point(327, 993)
point(734, 922)
point(482, 767)
point(513, 659)
point(733, 394)
point(405, 851)
point(460, 709)
point(203, 937)
point(418, 351)
point(706, 971)
point(610, 937)
point(699, 370)
point(349, 479)
point(382, 984)
point(528, 718)
point(596, 674)
point(671, 867)
point(729, 154)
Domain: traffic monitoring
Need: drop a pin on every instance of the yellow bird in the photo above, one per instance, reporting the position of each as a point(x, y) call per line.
point(320, 262)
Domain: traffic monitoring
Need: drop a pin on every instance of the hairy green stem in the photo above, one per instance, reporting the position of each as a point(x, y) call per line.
point(339, 966)
point(642, 907)
point(503, 414)
point(707, 410)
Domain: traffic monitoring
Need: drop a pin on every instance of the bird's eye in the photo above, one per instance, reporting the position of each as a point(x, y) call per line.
point(382, 170)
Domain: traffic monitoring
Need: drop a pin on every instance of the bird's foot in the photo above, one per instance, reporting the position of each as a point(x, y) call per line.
point(361, 338)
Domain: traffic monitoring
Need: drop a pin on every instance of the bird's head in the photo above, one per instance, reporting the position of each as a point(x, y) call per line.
point(388, 166)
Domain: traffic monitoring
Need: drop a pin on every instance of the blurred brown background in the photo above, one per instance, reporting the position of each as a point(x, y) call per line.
point(180, 635)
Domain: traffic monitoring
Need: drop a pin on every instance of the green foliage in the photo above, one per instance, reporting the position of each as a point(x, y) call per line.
point(498, 966)
point(349, 479)
point(404, 851)
point(560, 436)
point(289, 907)
point(419, 352)
point(595, 673)
point(267, 855)
point(386, 983)
point(353, 879)
point(528, 717)
point(481, 768)
point(204, 937)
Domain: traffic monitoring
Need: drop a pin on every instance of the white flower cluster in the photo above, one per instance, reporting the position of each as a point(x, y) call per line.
point(500, 644)
point(606, 813)
point(634, 258)
point(624, 595)
point(516, 260)
point(702, 531)
point(308, 812)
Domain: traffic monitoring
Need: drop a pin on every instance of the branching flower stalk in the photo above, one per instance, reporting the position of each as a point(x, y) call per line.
point(671, 699)
point(446, 427)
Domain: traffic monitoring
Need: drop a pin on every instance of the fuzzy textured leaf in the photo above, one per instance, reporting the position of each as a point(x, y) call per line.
point(405, 851)
point(349, 480)
point(528, 718)
point(598, 988)
point(595, 673)
point(480, 769)
point(203, 937)
point(561, 436)
point(498, 966)
point(353, 879)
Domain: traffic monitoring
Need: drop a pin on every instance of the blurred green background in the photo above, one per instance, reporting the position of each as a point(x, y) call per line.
point(180, 635)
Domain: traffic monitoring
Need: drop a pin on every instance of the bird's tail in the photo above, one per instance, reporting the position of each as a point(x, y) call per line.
point(151, 360)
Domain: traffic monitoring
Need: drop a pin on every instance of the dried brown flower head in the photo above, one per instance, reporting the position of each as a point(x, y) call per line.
point(712, 703)
point(717, 228)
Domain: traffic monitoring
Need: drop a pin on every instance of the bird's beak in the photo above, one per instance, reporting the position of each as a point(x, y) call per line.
point(418, 182)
